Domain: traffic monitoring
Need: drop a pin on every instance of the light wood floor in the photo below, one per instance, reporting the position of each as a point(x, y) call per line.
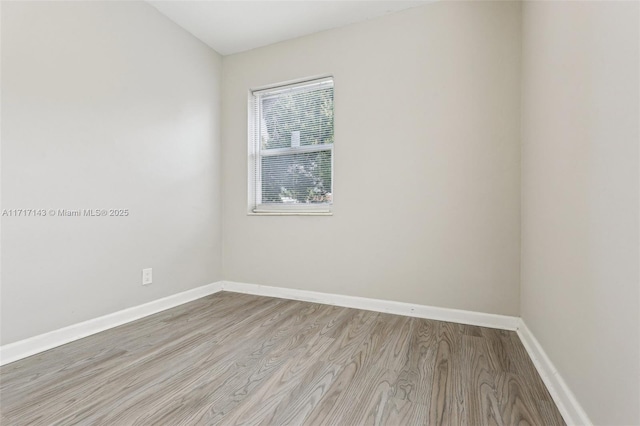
point(239, 359)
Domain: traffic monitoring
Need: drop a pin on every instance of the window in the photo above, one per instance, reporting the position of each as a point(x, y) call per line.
point(291, 148)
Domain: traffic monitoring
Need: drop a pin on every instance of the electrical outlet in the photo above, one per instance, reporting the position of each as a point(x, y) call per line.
point(147, 276)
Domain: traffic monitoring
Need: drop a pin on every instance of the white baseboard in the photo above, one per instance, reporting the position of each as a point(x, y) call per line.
point(565, 400)
point(40, 343)
point(568, 405)
point(33, 345)
point(388, 306)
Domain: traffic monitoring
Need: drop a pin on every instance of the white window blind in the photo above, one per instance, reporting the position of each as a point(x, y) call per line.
point(291, 148)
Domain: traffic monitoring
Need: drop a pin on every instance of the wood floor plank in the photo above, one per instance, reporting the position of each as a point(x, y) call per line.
point(387, 345)
point(478, 378)
point(549, 411)
point(370, 397)
point(403, 412)
point(240, 359)
point(414, 382)
point(148, 337)
point(350, 338)
point(499, 356)
point(262, 404)
point(262, 364)
point(447, 405)
point(139, 374)
point(256, 360)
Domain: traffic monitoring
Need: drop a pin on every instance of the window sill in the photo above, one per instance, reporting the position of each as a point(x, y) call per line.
point(290, 213)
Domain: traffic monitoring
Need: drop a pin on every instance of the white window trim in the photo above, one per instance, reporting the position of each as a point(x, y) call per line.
point(254, 173)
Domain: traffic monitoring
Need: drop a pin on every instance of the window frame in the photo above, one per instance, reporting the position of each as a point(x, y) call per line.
point(256, 153)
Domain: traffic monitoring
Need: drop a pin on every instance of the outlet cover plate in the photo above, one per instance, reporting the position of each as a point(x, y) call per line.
point(147, 276)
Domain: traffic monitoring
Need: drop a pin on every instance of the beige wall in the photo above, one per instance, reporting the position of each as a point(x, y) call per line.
point(104, 105)
point(580, 283)
point(427, 193)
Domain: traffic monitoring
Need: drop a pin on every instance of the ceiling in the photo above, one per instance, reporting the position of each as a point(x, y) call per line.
point(235, 26)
